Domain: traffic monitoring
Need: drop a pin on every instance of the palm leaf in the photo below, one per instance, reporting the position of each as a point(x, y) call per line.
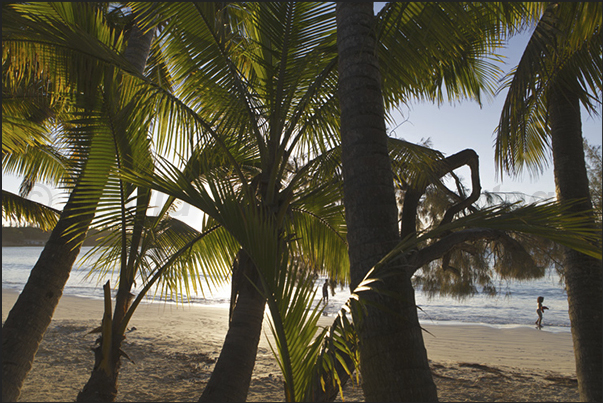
point(294, 327)
point(552, 221)
point(20, 209)
point(445, 49)
point(566, 43)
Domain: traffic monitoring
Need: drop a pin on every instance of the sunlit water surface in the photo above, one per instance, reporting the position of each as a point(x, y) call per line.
point(514, 306)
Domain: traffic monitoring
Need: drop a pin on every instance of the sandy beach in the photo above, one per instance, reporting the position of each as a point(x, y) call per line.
point(174, 349)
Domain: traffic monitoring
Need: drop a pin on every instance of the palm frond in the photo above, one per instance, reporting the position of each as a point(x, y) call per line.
point(61, 40)
point(37, 163)
point(413, 161)
point(446, 50)
point(565, 45)
point(20, 209)
point(294, 327)
point(553, 221)
point(317, 233)
point(338, 357)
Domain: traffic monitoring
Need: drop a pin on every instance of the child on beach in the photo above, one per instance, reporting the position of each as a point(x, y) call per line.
point(539, 311)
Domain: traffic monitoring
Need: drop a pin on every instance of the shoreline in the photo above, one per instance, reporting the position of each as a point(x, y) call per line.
point(423, 321)
point(175, 348)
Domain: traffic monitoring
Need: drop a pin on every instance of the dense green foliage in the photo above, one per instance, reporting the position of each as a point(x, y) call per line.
point(236, 113)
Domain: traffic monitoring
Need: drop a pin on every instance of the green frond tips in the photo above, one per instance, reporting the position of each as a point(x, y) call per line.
point(19, 209)
point(563, 52)
point(442, 62)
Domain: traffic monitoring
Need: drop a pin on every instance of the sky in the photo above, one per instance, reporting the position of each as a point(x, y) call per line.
point(451, 128)
point(454, 128)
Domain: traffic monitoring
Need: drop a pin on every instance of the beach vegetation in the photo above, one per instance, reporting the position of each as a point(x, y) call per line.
point(594, 168)
point(236, 112)
point(169, 258)
point(264, 168)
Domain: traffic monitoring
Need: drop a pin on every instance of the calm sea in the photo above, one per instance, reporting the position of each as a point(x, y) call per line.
point(514, 306)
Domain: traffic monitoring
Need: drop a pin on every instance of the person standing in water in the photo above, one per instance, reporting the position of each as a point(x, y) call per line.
point(540, 310)
point(325, 291)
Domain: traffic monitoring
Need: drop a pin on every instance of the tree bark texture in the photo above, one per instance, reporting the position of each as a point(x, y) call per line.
point(231, 376)
point(102, 385)
point(32, 313)
point(583, 279)
point(393, 359)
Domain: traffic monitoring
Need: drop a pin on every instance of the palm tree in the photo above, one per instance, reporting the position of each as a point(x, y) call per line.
point(559, 71)
point(389, 372)
point(372, 217)
point(310, 238)
point(255, 83)
point(157, 251)
point(430, 72)
point(34, 28)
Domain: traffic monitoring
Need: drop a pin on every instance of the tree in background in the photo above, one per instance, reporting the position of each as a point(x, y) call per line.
point(594, 170)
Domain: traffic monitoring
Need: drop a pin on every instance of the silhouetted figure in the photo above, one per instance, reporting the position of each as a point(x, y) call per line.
point(540, 310)
point(325, 291)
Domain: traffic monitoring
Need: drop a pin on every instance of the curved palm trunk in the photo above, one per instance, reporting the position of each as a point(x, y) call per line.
point(583, 279)
point(231, 376)
point(32, 313)
point(393, 359)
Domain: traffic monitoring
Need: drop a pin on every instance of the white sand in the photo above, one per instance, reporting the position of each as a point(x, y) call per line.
point(175, 347)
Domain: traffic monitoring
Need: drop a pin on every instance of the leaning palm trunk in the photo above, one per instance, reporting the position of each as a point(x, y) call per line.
point(231, 376)
point(30, 317)
point(32, 313)
point(393, 359)
point(583, 277)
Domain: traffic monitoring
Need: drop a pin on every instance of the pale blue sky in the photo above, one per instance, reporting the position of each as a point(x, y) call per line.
point(455, 128)
point(450, 128)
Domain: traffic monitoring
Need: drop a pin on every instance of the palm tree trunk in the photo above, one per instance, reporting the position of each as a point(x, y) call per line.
point(32, 313)
point(393, 359)
point(102, 385)
point(583, 279)
point(231, 376)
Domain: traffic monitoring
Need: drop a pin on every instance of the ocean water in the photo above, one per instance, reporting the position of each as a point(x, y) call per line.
point(514, 306)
